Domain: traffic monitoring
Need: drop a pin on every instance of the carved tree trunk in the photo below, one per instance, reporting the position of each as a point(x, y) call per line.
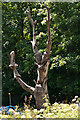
point(42, 62)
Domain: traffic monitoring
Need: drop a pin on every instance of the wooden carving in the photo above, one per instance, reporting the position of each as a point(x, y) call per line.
point(42, 61)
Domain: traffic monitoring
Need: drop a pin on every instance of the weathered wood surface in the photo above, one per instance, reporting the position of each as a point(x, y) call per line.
point(42, 61)
point(17, 76)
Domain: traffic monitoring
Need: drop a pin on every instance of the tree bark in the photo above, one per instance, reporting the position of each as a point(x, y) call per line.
point(42, 61)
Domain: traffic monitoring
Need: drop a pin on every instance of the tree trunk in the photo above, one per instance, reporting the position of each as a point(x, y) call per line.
point(39, 95)
point(40, 92)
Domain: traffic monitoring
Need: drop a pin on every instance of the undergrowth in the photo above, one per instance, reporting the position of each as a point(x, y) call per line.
point(55, 110)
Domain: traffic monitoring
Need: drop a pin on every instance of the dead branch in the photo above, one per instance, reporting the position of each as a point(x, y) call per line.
point(49, 43)
point(17, 76)
point(34, 44)
point(35, 82)
point(37, 55)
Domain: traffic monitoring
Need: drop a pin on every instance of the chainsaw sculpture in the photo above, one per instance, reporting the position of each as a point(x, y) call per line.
point(42, 61)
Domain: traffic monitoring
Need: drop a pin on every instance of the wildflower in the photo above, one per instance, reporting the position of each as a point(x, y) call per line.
point(66, 110)
point(49, 114)
point(11, 111)
point(59, 107)
point(60, 110)
point(64, 106)
point(73, 100)
point(55, 116)
point(62, 114)
point(25, 106)
point(35, 111)
point(77, 102)
point(76, 97)
point(23, 116)
point(27, 110)
point(38, 116)
point(29, 100)
point(41, 110)
point(4, 116)
point(45, 104)
point(73, 106)
point(25, 99)
point(56, 104)
point(54, 108)
point(17, 113)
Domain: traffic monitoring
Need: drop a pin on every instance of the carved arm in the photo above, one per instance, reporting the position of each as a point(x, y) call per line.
point(17, 76)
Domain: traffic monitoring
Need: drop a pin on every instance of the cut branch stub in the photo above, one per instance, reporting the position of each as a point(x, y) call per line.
point(35, 22)
point(12, 60)
point(34, 81)
point(48, 8)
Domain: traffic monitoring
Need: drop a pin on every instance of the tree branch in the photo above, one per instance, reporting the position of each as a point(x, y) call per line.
point(46, 54)
point(37, 55)
point(34, 44)
point(17, 76)
point(49, 43)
